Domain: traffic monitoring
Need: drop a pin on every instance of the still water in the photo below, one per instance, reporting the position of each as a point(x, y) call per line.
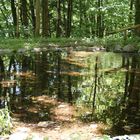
point(108, 84)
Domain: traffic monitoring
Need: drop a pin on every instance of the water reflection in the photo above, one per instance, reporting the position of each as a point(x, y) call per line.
point(105, 83)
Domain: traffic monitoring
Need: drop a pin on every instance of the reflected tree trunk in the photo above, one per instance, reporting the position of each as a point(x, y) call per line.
point(132, 75)
point(134, 92)
point(25, 63)
point(95, 82)
point(126, 81)
point(37, 72)
point(42, 74)
point(70, 98)
point(134, 95)
point(59, 94)
point(1, 65)
point(69, 89)
point(12, 63)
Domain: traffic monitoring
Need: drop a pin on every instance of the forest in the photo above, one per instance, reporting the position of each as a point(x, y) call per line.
point(69, 69)
point(67, 18)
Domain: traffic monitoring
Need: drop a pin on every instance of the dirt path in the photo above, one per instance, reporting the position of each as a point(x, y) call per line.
point(52, 120)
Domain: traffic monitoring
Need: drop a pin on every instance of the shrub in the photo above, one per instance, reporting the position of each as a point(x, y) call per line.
point(5, 121)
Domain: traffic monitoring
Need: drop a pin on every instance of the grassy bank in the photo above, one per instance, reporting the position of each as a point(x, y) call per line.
point(49, 42)
point(109, 42)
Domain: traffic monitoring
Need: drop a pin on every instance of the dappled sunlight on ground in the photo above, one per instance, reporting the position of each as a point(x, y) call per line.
point(62, 122)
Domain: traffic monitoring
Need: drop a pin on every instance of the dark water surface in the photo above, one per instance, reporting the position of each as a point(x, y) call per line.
point(106, 83)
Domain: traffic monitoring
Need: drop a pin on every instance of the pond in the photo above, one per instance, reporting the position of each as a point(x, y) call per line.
point(103, 85)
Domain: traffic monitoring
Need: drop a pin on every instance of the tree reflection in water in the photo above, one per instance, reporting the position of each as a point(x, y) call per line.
point(107, 82)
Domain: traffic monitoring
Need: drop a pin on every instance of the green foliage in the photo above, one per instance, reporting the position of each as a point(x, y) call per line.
point(109, 90)
point(32, 138)
point(112, 41)
point(134, 41)
point(114, 14)
point(5, 121)
point(46, 138)
point(105, 137)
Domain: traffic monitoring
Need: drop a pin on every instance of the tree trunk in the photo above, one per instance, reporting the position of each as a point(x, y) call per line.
point(59, 83)
point(69, 18)
point(37, 27)
point(45, 18)
point(14, 15)
point(58, 28)
point(24, 14)
point(64, 18)
point(93, 20)
point(18, 14)
point(32, 14)
point(96, 84)
point(131, 9)
point(99, 20)
point(80, 14)
point(1, 65)
point(137, 16)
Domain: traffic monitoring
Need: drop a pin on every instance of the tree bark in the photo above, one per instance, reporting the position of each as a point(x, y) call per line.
point(18, 14)
point(99, 20)
point(64, 18)
point(14, 15)
point(137, 16)
point(45, 18)
point(32, 15)
point(131, 9)
point(24, 13)
point(69, 18)
point(37, 27)
point(58, 28)
point(80, 14)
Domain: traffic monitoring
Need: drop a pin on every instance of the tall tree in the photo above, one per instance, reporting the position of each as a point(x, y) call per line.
point(137, 16)
point(131, 9)
point(24, 13)
point(24, 18)
point(45, 18)
point(99, 19)
point(37, 26)
point(64, 17)
point(80, 14)
point(69, 18)
point(58, 28)
point(32, 14)
point(14, 16)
